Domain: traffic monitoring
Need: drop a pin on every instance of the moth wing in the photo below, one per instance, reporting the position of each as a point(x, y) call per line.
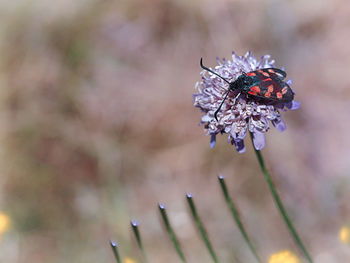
point(276, 89)
point(273, 73)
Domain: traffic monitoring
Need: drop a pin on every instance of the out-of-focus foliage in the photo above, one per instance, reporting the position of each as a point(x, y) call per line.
point(97, 126)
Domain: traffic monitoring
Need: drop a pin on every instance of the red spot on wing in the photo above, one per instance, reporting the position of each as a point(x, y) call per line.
point(252, 93)
point(265, 74)
point(271, 70)
point(267, 94)
point(255, 89)
point(251, 74)
point(279, 95)
point(267, 79)
point(270, 88)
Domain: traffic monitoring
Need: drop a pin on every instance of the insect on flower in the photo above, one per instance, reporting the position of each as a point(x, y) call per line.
point(236, 103)
point(264, 84)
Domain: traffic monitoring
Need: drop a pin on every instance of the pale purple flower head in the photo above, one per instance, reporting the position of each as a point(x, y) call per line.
point(244, 114)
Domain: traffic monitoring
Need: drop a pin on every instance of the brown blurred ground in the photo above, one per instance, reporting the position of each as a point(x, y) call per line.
point(97, 126)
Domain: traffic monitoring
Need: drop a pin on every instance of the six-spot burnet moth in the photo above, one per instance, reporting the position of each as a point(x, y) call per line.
point(266, 84)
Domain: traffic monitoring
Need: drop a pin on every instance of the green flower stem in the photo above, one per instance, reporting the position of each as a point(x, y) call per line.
point(114, 247)
point(201, 228)
point(135, 228)
point(236, 217)
point(280, 204)
point(171, 233)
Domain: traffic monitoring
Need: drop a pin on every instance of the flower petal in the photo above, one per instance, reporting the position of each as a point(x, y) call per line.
point(279, 124)
point(212, 141)
point(259, 140)
point(239, 144)
point(293, 105)
point(206, 118)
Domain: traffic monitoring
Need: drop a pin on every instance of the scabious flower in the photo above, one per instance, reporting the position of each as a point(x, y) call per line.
point(238, 116)
point(285, 256)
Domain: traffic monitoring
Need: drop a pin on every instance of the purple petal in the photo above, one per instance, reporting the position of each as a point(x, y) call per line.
point(212, 141)
point(242, 134)
point(259, 140)
point(293, 105)
point(289, 82)
point(161, 206)
point(205, 118)
point(279, 124)
point(239, 144)
point(135, 222)
point(282, 68)
point(114, 244)
point(189, 195)
point(221, 177)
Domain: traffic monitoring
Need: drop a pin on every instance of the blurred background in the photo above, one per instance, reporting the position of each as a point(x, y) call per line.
point(97, 126)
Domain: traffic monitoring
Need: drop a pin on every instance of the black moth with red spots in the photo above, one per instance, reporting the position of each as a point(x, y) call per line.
point(266, 84)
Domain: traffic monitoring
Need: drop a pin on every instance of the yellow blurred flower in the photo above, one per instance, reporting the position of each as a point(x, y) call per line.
point(284, 256)
point(4, 222)
point(129, 260)
point(344, 234)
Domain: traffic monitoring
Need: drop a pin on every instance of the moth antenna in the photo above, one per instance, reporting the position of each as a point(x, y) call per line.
point(204, 67)
point(218, 109)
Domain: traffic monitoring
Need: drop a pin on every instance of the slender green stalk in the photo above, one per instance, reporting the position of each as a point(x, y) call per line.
point(171, 233)
point(135, 228)
point(201, 228)
point(114, 247)
point(280, 205)
point(237, 218)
